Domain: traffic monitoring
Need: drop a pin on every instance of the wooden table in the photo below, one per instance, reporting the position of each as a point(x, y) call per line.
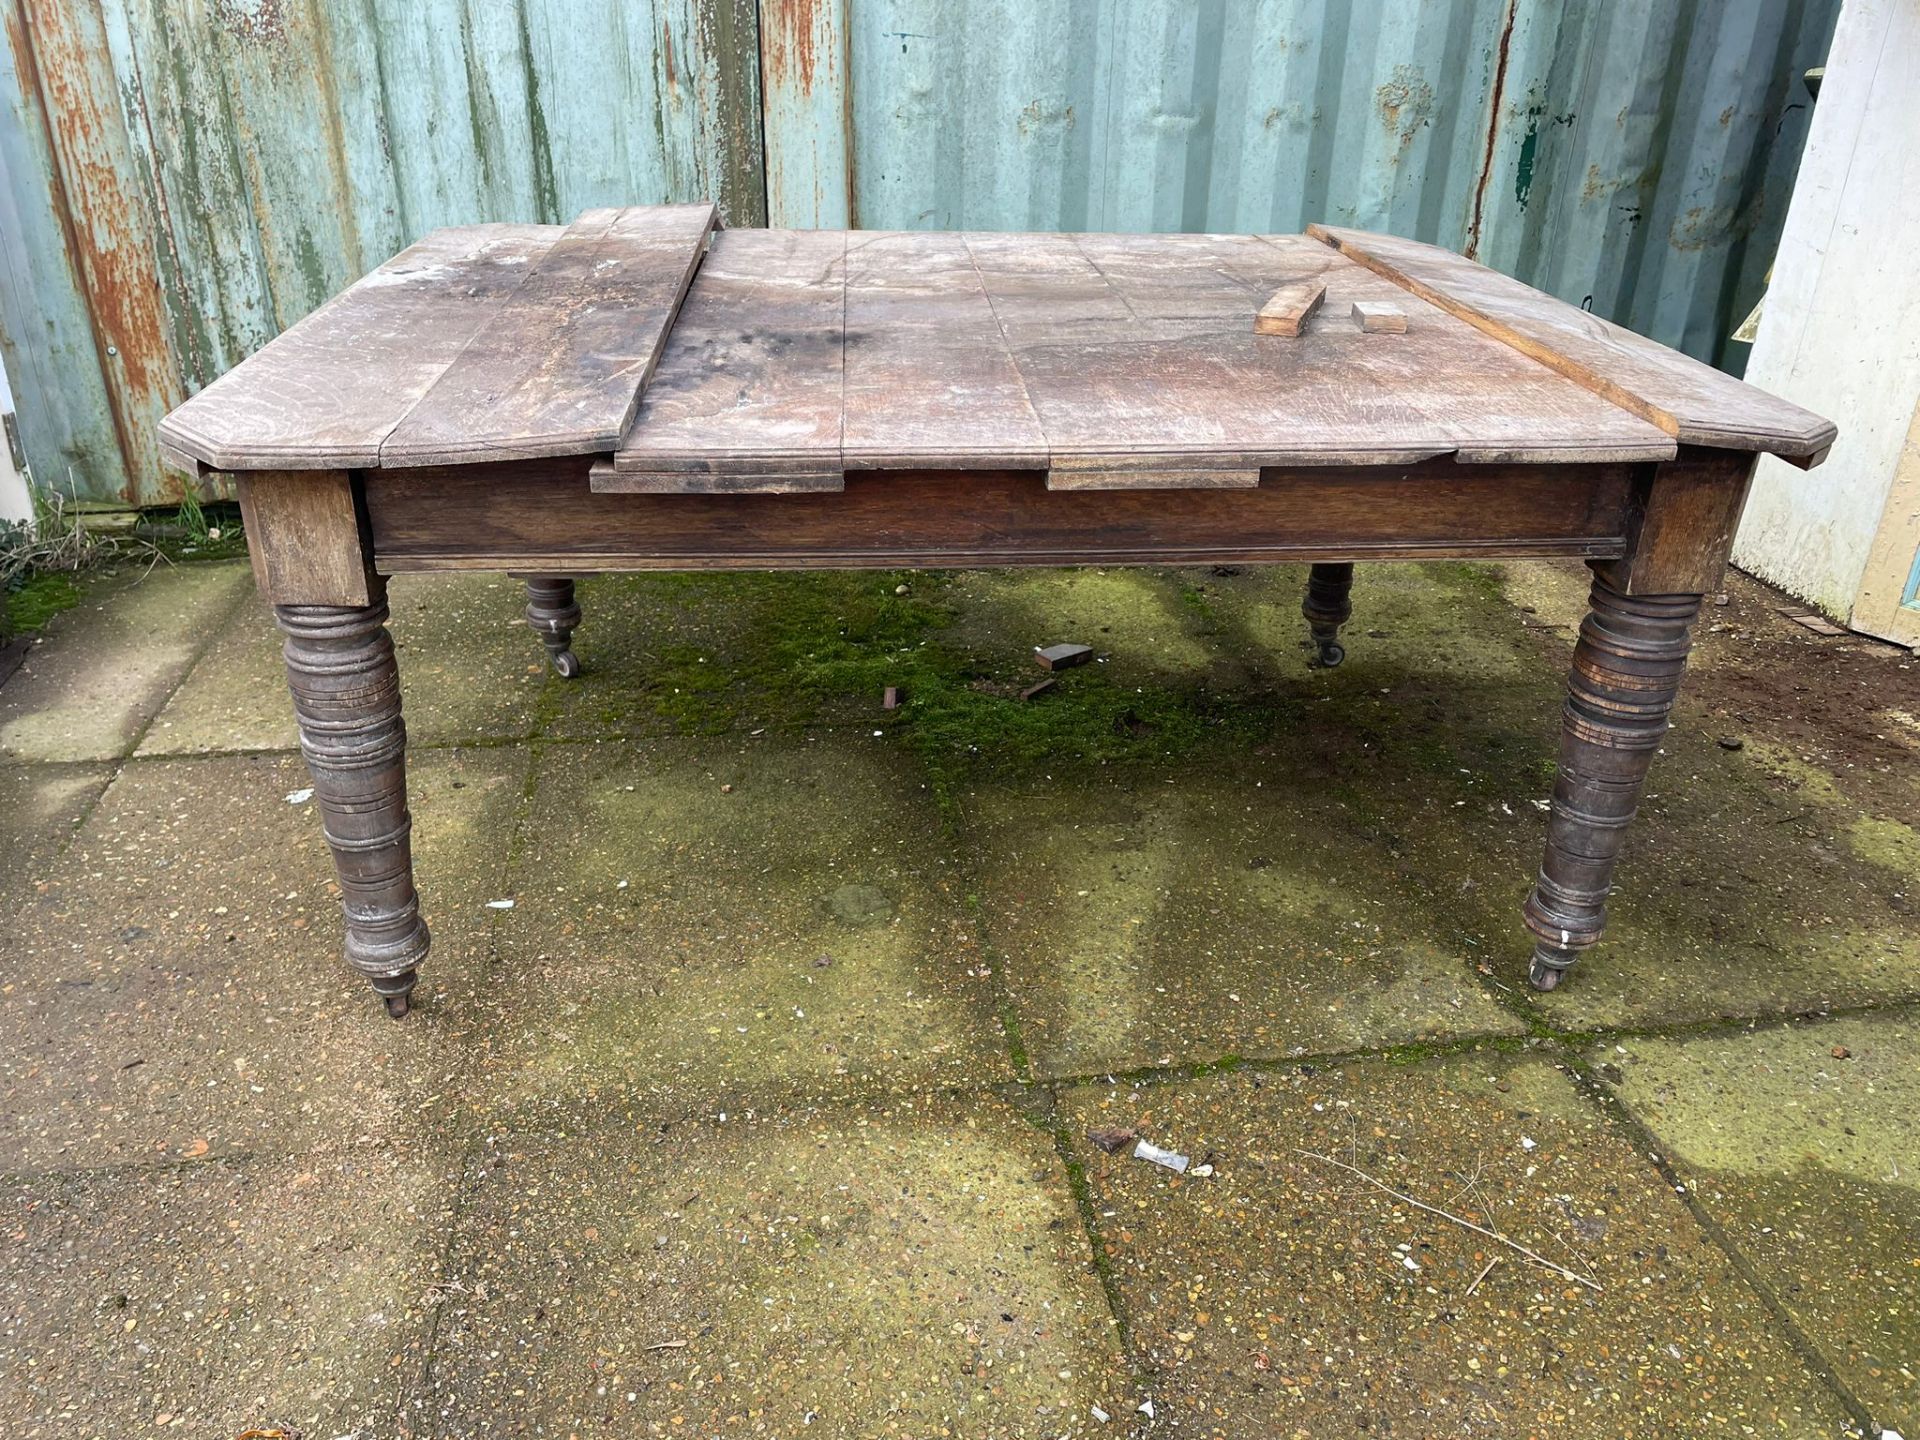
point(643, 390)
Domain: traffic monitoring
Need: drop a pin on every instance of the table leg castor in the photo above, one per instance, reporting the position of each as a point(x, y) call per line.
point(1327, 606)
point(397, 992)
point(553, 614)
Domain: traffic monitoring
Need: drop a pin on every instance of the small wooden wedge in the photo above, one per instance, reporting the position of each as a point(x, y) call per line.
point(1287, 311)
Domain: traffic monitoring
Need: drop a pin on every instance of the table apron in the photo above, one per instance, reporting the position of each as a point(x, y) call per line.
point(542, 515)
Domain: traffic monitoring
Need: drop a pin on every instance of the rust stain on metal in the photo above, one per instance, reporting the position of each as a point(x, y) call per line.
point(1472, 250)
point(787, 35)
point(98, 215)
point(1404, 102)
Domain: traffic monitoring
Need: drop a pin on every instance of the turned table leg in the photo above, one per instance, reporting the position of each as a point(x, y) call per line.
point(1327, 607)
point(553, 614)
point(1626, 671)
point(346, 694)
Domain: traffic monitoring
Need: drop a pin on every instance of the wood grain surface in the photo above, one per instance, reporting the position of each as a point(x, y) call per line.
point(751, 382)
point(1289, 308)
point(328, 392)
point(1687, 399)
point(1138, 354)
point(542, 516)
point(1115, 361)
point(929, 381)
point(558, 368)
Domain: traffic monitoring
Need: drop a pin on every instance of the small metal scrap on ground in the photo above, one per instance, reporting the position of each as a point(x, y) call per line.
point(1154, 1155)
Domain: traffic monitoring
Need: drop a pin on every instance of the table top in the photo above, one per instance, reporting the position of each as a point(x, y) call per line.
point(702, 359)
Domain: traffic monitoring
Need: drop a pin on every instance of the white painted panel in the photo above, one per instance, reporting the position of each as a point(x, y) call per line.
point(1841, 330)
point(14, 504)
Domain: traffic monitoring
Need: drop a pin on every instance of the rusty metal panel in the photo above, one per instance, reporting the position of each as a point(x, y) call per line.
point(46, 333)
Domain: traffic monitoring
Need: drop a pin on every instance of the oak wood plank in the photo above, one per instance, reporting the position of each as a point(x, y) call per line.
point(604, 479)
point(751, 379)
point(306, 537)
point(326, 393)
point(1680, 522)
point(929, 381)
point(559, 367)
point(1687, 399)
point(1137, 355)
point(543, 515)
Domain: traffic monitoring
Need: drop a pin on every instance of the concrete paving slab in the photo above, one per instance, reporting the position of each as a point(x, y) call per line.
point(736, 916)
point(220, 1297)
point(1194, 911)
point(180, 990)
point(1749, 887)
point(39, 807)
point(913, 1267)
point(105, 668)
point(1800, 1142)
point(469, 669)
point(1283, 1296)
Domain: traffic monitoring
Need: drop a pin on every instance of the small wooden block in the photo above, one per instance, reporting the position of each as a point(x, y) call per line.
point(1036, 690)
point(1063, 657)
point(1376, 317)
point(890, 698)
point(1287, 311)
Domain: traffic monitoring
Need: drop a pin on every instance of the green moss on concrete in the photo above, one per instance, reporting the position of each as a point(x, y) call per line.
point(1197, 912)
point(220, 1297)
point(37, 600)
point(740, 917)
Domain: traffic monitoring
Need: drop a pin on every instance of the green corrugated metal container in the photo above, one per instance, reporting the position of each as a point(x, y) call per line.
point(180, 179)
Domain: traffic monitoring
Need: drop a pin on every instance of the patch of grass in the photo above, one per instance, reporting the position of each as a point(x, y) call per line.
point(41, 561)
point(38, 598)
point(38, 561)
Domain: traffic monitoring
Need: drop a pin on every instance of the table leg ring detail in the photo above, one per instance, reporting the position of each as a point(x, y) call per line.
point(346, 696)
point(1626, 672)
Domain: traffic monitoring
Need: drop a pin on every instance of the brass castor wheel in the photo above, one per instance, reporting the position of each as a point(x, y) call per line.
point(565, 664)
point(1331, 653)
point(395, 992)
point(1542, 976)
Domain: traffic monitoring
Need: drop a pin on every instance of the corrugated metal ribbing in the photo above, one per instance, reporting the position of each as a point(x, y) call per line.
point(183, 178)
